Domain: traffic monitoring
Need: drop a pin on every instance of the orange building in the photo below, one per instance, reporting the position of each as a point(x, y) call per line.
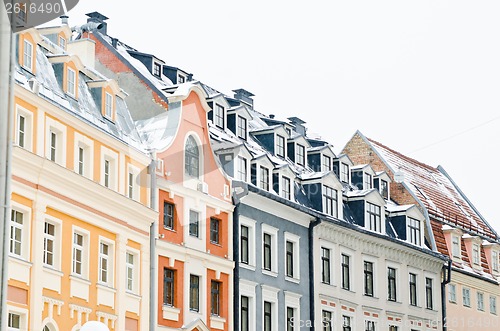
point(81, 216)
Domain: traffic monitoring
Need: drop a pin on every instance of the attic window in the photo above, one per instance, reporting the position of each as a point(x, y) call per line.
point(344, 173)
point(384, 189)
point(241, 131)
point(62, 42)
point(455, 246)
point(414, 231)
point(181, 79)
point(494, 260)
point(28, 55)
point(71, 82)
point(367, 178)
point(475, 254)
point(301, 155)
point(330, 201)
point(108, 106)
point(374, 217)
point(219, 116)
point(327, 163)
point(157, 69)
point(280, 146)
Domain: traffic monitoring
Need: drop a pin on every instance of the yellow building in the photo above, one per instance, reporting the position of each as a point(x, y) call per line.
point(81, 216)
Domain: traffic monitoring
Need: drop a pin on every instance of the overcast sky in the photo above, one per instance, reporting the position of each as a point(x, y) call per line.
point(422, 77)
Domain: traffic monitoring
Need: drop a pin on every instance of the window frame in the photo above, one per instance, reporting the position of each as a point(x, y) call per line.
point(131, 271)
point(367, 181)
point(242, 169)
point(28, 56)
point(49, 238)
point(374, 217)
point(493, 304)
point(280, 146)
point(480, 301)
point(264, 178)
point(292, 256)
point(109, 101)
point(466, 297)
point(429, 293)
point(327, 320)
point(157, 69)
point(215, 226)
point(218, 116)
point(344, 172)
point(194, 227)
point(452, 294)
point(368, 288)
point(273, 249)
point(194, 293)
point(71, 79)
point(414, 231)
point(326, 277)
point(392, 294)
point(245, 311)
point(345, 267)
point(267, 316)
point(326, 163)
point(168, 219)
point(330, 200)
point(169, 277)
point(413, 288)
point(455, 246)
point(241, 127)
point(215, 296)
point(192, 157)
point(109, 258)
point(301, 155)
point(286, 188)
point(476, 254)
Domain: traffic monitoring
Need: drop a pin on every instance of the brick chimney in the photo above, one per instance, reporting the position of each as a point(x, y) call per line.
point(99, 18)
point(244, 96)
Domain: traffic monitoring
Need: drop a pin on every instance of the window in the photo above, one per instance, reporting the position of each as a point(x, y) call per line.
point(346, 282)
point(181, 79)
point(264, 178)
point(374, 218)
point(393, 328)
point(289, 319)
point(367, 181)
point(370, 326)
point(452, 293)
point(48, 243)
point(81, 160)
point(53, 146)
point(480, 301)
point(62, 42)
point(242, 169)
point(14, 321)
point(219, 116)
point(28, 55)
point(193, 223)
point(267, 316)
point(344, 172)
point(245, 315)
point(215, 297)
point(280, 146)
point(368, 272)
point(384, 189)
point(428, 293)
point(21, 130)
point(301, 155)
point(475, 254)
point(346, 323)
point(214, 230)
point(493, 305)
point(267, 251)
point(130, 268)
point(391, 281)
point(71, 83)
point(285, 187)
point(466, 297)
point(157, 69)
point(16, 232)
point(107, 168)
point(289, 258)
point(169, 287)
point(494, 260)
point(104, 263)
point(325, 265)
point(455, 246)
point(327, 320)
point(194, 293)
point(78, 242)
point(108, 106)
point(414, 231)
point(244, 258)
point(330, 201)
point(241, 130)
point(168, 215)
point(327, 163)
point(413, 289)
point(192, 158)
point(131, 185)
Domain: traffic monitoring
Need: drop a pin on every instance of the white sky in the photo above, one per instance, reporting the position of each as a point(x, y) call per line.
point(409, 74)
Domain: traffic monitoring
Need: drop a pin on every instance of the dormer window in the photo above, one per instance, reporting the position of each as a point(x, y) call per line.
point(62, 42)
point(280, 146)
point(285, 187)
point(157, 69)
point(71, 82)
point(242, 169)
point(28, 55)
point(264, 178)
point(455, 246)
point(326, 163)
point(414, 231)
point(373, 217)
point(108, 106)
point(192, 158)
point(181, 79)
point(242, 128)
point(494, 261)
point(384, 188)
point(330, 201)
point(475, 254)
point(301, 155)
point(344, 173)
point(367, 180)
point(219, 116)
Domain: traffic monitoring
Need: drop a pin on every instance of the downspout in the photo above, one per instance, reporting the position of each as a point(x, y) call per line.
point(6, 126)
point(153, 294)
point(446, 280)
point(312, 311)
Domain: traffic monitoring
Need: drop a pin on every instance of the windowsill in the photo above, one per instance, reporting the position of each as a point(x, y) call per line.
point(453, 302)
point(79, 278)
point(20, 259)
point(72, 96)
point(171, 309)
point(194, 311)
point(292, 279)
point(52, 270)
point(215, 244)
point(133, 295)
point(394, 302)
point(247, 266)
point(171, 313)
point(105, 287)
point(269, 273)
point(169, 229)
point(217, 322)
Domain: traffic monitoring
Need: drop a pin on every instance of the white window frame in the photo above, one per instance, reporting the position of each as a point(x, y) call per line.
point(367, 181)
point(326, 199)
point(71, 84)
point(108, 105)
point(280, 149)
point(87, 145)
point(250, 224)
point(452, 293)
point(415, 240)
point(350, 255)
point(301, 158)
point(455, 246)
point(241, 132)
point(135, 267)
point(28, 56)
point(466, 290)
point(344, 176)
point(324, 165)
point(25, 230)
point(295, 240)
point(247, 289)
point(273, 232)
point(85, 252)
point(23, 321)
point(109, 259)
point(433, 290)
point(136, 189)
point(494, 260)
point(480, 301)
point(375, 274)
point(28, 127)
point(112, 157)
point(493, 304)
point(62, 42)
point(476, 249)
point(292, 300)
point(418, 277)
point(327, 245)
point(218, 116)
point(53, 126)
point(270, 294)
point(283, 192)
point(378, 223)
point(240, 162)
point(260, 170)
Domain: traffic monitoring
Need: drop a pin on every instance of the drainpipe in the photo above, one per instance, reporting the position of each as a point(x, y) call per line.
point(236, 259)
point(153, 293)
point(6, 120)
point(312, 312)
point(446, 280)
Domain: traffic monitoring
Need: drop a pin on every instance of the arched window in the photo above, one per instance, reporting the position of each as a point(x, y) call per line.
point(46, 328)
point(192, 158)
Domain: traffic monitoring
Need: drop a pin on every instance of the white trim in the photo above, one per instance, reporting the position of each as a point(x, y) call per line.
point(59, 130)
point(87, 144)
point(23, 317)
point(270, 294)
point(112, 157)
point(75, 87)
point(136, 188)
point(57, 252)
point(251, 224)
point(136, 270)
point(32, 55)
point(273, 232)
point(28, 127)
point(295, 240)
point(292, 300)
point(110, 259)
point(85, 252)
point(25, 231)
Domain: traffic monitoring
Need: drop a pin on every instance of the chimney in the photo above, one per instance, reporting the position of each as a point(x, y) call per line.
point(96, 17)
point(244, 96)
point(85, 49)
point(271, 116)
point(64, 20)
point(114, 42)
point(299, 125)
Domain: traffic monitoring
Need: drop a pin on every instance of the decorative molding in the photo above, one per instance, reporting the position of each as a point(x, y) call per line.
point(106, 317)
point(51, 302)
point(79, 311)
